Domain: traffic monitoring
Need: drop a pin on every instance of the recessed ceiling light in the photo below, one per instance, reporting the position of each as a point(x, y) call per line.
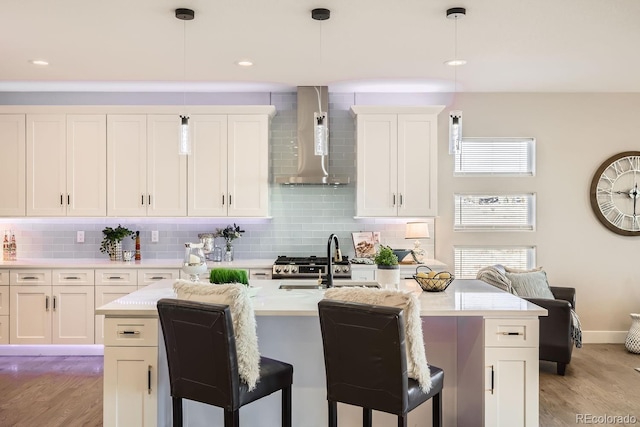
point(244, 63)
point(39, 62)
point(455, 62)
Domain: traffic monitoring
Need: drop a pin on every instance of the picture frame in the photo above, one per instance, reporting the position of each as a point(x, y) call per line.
point(366, 243)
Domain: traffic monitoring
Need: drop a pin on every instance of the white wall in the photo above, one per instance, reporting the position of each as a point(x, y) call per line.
point(574, 133)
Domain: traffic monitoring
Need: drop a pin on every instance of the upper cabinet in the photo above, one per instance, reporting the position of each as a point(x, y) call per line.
point(66, 165)
point(396, 161)
point(12, 165)
point(229, 165)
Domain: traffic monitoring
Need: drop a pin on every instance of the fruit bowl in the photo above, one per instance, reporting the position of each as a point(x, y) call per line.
point(432, 281)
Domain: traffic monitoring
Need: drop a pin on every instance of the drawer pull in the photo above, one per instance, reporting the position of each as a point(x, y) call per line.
point(157, 278)
point(129, 332)
point(510, 333)
point(72, 278)
point(29, 278)
point(114, 278)
point(260, 274)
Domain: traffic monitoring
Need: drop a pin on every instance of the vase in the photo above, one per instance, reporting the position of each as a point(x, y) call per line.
point(632, 343)
point(114, 249)
point(388, 276)
point(228, 252)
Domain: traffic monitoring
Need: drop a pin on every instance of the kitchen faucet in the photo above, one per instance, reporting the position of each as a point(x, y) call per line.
point(337, 257)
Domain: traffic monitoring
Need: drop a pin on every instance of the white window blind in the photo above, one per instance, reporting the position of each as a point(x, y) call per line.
point(496, 156)
point(470, 259)
point(482, 212)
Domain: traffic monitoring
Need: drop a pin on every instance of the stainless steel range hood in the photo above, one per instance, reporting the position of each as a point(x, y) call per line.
point(312, 169)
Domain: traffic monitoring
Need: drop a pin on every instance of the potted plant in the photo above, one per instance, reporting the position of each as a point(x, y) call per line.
point(388, 273)
point(230, 234)
point(112, 241)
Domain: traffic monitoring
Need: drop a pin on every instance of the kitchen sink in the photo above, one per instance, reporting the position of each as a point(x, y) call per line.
point(336, 283)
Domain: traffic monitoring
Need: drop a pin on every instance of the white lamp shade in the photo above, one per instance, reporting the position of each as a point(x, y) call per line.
point(417, 230)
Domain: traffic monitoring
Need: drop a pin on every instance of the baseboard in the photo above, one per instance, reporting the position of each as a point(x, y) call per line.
point(51, 350)
point(604, 337)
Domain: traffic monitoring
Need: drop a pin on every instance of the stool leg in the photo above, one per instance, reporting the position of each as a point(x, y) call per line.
point(177, 411)
point(333, 414)
point(367, 417)
point(436, 411)
point(286, 407)
point(232, 418)
point(402, 420)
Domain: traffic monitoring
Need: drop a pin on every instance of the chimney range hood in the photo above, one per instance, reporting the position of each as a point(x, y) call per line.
point(313, 169)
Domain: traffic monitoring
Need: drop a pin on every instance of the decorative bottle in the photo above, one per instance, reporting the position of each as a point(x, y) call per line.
point(12, 247)
point(137, 256)
point(5, 246)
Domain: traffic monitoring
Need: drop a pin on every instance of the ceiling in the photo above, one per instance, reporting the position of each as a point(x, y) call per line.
point(366, 45)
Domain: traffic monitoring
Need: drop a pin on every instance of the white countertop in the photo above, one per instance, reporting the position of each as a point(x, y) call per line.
point(144, 263)
point(461, 298)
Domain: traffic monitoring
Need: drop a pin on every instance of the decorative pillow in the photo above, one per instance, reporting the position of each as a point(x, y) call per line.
point(532, 284)
point(236, 296)
point(519, 270)
point(417, 365)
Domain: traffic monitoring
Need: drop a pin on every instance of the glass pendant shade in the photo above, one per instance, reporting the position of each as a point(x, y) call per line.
point(320, 134)
point(455, 131)
point(184, 147)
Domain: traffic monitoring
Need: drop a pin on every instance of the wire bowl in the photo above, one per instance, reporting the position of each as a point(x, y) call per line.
point(433, 284)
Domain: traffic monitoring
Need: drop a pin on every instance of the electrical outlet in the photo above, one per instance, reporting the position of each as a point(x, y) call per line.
point(154, 236)
point(80, 237)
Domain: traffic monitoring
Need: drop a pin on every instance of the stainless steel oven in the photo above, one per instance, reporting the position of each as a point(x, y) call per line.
point(309, 268)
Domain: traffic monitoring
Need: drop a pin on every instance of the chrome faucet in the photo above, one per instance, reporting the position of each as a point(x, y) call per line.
point(337, 256)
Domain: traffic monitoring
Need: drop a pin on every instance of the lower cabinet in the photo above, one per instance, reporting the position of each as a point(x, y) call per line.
point(104, 295)
point(148, 276)
point(130, 386)
point(43, 314)
point(511, 372)
point(4, 312)
point(130, 372)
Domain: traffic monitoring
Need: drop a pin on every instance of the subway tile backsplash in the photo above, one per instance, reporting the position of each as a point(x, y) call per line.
point(302, 217)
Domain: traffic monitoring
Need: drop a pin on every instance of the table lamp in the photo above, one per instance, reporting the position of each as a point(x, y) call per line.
point(417, 231)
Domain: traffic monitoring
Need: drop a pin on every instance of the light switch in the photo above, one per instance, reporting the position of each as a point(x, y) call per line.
point(80, 237)
point(154, 236)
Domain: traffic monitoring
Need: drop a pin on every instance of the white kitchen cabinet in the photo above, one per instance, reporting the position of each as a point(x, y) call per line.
point(45, 309)
point(166, 169)
point(130, 386)
point(260, 273)
point(4, 329)
point(229, 165)
point(511, 372)
point(4, 307)
point(12, 165)
point(111, 284)
point(66, 165)
point(127, 165)
point(396, 161)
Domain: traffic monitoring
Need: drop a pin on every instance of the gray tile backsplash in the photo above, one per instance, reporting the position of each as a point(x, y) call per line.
point(302, 217)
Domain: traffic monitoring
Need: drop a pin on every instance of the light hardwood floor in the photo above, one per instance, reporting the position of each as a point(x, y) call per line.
point(67, 391)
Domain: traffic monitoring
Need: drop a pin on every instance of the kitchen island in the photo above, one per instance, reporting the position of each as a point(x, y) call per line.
point(485, 340)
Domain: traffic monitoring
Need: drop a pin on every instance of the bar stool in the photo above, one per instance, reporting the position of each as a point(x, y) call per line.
point(366, 363)
point(203, 363)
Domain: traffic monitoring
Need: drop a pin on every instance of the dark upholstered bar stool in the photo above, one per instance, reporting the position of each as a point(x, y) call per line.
point(366, 364)
point(203, 364)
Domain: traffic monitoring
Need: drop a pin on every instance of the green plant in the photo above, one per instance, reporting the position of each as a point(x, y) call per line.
point(113, 235)
point(385, 256)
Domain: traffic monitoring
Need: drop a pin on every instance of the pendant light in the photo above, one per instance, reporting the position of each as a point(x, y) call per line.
point(455, 116)
point(184, 145)
point(320, 119)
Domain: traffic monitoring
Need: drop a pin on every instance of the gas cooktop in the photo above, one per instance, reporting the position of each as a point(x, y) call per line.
point(309, 267)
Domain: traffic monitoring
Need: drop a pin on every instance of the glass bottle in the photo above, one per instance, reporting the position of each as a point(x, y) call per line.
point(194, 262)
point(12, 247)
point(5, 246)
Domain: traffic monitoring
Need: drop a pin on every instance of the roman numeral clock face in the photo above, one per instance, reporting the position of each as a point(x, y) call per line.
point(615, 193)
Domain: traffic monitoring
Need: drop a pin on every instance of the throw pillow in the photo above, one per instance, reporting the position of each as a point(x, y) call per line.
point(417, 365)
point(532, 284)
point(236, 296)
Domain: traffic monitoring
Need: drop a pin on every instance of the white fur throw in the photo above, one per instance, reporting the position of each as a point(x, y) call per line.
point(236, 296)
point(417, 365)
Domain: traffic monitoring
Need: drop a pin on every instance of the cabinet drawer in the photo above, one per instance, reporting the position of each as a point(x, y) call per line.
point(130, 332)
point(30, 277)
point(73, 277)
point(117, 277)
point(511, 332)
point(260, 273)
point(4, 277)
point(147, 277)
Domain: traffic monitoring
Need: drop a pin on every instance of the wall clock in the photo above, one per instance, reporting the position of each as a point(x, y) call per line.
point(614, 193)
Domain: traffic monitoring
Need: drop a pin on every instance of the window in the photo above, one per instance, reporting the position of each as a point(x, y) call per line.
point(470, 259)
point(483, 212)
point(496, 156)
